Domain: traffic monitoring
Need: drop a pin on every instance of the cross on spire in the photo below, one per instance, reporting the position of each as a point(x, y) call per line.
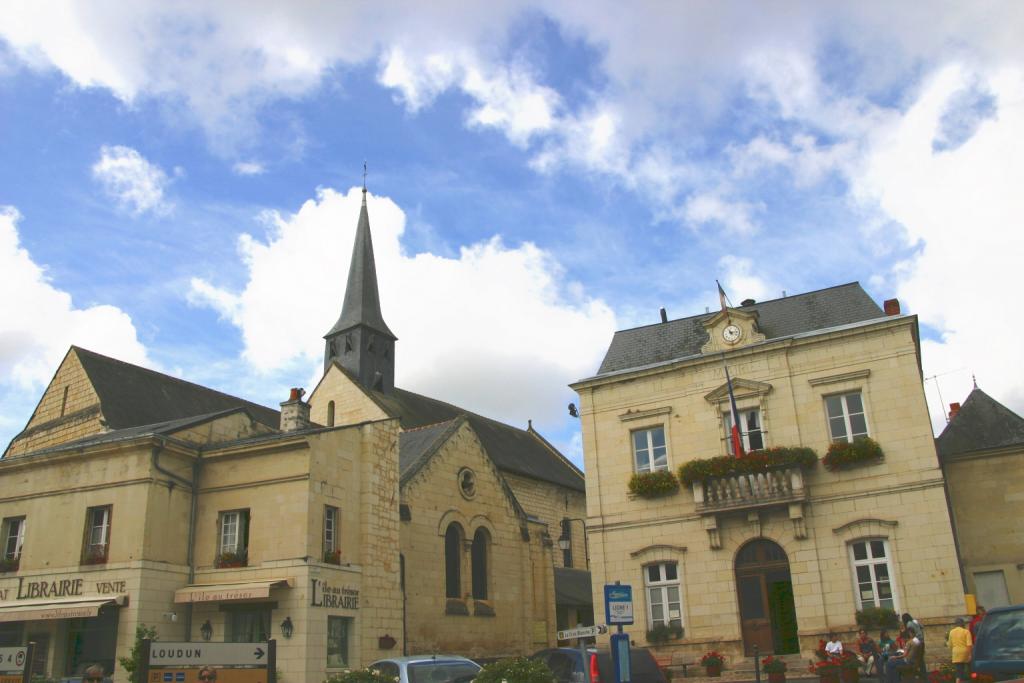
point(364, 176)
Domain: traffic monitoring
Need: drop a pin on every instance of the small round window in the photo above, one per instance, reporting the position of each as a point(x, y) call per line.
point(467, 482)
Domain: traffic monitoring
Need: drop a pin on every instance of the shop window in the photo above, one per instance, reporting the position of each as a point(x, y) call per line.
point(338, 629)
point(233, 538)
point(751, 434)
point(97, 535)
point(872, 571)
point(332, 548)
point(649, 451)
point(664, 606)
point(13, 537)
point(481, 539)
point(41, 655)
point(846, 419)
point(453, 561)
point(248, 624)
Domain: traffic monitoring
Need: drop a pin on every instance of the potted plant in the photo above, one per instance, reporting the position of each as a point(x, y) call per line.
point(332, 556)
point(876, 618)
point(945, 673)
point(712, 661)
point(653, 484)
point(232, 558)
point(844, 455)
point(849, 667)
point(827, 670)
point(775, 668)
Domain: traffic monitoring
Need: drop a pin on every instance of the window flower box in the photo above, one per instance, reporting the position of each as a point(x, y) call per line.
point(749, 463)
point(9, 564)
point(233, 558)
point(95, 554)
point(844, 455)
point(653, 484)
point(877, 618)
point(332, 556)
point(662, 633)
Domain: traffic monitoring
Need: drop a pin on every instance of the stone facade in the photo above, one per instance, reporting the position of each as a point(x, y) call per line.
point(808, 521)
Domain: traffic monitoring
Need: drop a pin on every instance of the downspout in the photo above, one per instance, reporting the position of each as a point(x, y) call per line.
point(193, 486)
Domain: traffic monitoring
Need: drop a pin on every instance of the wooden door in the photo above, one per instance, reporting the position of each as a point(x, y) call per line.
point(756, 623)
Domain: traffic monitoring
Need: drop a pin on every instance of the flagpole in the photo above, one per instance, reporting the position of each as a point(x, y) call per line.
point(734, 432)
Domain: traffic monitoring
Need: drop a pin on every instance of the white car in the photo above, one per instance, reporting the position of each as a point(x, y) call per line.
point(428, 669)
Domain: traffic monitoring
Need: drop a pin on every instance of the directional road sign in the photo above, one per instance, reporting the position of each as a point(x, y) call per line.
point(582, 632)
point(163, 654)
point(12, 659)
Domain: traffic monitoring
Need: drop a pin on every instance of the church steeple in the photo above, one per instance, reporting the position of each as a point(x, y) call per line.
point(361, 341)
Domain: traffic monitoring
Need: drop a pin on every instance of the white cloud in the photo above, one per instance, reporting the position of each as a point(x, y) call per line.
point(963, 208)
point(733, 216)
point(807, 160)
point(41, 322)
point(136, 184)
point(249, 168)
point(495, 329)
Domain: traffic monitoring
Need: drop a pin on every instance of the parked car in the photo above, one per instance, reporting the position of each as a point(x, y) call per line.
point(428, 669)
point(999, 650)
point(567, 665)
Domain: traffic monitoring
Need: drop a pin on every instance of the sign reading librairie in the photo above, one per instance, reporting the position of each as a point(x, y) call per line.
point(618, 604)
point(163, 654)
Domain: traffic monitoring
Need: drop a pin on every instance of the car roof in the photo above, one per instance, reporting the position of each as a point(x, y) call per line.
point(1008, 608)
point(410, 659)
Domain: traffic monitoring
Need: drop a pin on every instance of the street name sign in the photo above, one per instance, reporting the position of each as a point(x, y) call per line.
point(12, 659)
point(582, 632)
point(618, 604)
point(163, 654)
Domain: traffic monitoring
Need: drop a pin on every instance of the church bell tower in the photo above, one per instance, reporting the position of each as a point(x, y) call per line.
point(361, 341)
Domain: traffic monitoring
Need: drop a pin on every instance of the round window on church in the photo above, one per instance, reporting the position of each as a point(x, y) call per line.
point(467, 482)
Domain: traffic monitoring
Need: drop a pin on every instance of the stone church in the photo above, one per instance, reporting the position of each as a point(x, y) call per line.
point(366, 522)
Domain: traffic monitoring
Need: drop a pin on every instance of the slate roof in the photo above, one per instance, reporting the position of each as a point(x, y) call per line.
point(131, 396)
point(821, 309)
point(983, 423)
point(362, 300)
point(512, 449)
point(415, 446)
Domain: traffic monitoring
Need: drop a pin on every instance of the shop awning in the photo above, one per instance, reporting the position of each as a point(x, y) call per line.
point(72, 608)
point(217, 592)
point(572, 588)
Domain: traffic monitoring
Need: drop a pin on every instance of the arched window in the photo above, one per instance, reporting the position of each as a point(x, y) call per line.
point(453, 561)
point(330, 413)
point(479, 556)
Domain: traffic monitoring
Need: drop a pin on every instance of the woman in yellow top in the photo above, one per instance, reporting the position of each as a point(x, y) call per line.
point(959, 642)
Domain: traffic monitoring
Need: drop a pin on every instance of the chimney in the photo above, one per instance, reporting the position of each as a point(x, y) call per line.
point(954, 408)
point(891, 306)
point(664, 316)
point(747, 302)
point(294, 413)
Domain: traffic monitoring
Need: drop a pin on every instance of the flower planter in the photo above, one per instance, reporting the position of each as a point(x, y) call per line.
point(828, 678)
point(850, 675)
point(777, 677)
point(714, 670)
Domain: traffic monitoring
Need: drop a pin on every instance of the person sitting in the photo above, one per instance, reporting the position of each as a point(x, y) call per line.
point(833, 648)
point(93, 674)
point(904, 661)
point(867, 651)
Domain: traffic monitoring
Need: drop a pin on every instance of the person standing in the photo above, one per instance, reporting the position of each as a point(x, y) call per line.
point(973, 628)
point(960, 643)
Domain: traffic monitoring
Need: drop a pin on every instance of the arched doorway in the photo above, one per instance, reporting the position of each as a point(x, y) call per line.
point(765, 594)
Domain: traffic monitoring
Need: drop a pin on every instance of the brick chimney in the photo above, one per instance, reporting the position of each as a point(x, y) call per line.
point(954, 408)
point(294, 413)
point(891, 306)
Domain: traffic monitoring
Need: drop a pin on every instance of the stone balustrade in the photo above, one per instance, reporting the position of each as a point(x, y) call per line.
point(747, 491)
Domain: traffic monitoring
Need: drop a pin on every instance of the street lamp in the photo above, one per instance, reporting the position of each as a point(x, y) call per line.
point(206, 630)
point(565, 540)
point(287, 628)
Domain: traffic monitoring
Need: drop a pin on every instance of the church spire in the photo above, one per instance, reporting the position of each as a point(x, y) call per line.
point(361, 341)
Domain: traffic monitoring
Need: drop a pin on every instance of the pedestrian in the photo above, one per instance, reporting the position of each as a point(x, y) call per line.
point(93, 674)
point(960, 642)
point(886, 646)
point(867, 651)
point(208, 674)
point(914, 629)
point(973, 628)
point(904, 661)
point(833, 648)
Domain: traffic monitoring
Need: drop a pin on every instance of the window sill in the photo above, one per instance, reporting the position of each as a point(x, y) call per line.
point(456, 607)
point(483, 608)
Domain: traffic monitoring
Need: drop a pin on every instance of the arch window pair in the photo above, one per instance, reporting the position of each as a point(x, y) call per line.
point(478, 553)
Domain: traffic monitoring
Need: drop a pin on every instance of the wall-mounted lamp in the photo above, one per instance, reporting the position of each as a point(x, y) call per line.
point(206, 630)
point(287, 628)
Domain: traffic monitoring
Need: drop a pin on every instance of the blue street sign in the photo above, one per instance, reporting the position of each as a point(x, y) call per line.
point(618, 604)
point(179, 677)
point(168, 677)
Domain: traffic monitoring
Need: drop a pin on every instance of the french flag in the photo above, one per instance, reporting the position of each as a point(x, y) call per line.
point(737, 442)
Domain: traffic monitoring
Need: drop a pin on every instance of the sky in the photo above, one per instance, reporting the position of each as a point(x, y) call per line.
point(180, 183)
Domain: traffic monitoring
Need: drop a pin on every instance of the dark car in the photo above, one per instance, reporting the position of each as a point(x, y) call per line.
point(999, 650)
point(567, 664)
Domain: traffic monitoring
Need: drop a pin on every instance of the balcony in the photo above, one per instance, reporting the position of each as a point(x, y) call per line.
point(780, 486)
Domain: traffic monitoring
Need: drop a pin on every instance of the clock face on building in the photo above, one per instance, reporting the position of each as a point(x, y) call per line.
point(731, 334)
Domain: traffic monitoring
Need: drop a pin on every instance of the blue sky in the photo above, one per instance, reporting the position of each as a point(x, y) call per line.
point(179, 186)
